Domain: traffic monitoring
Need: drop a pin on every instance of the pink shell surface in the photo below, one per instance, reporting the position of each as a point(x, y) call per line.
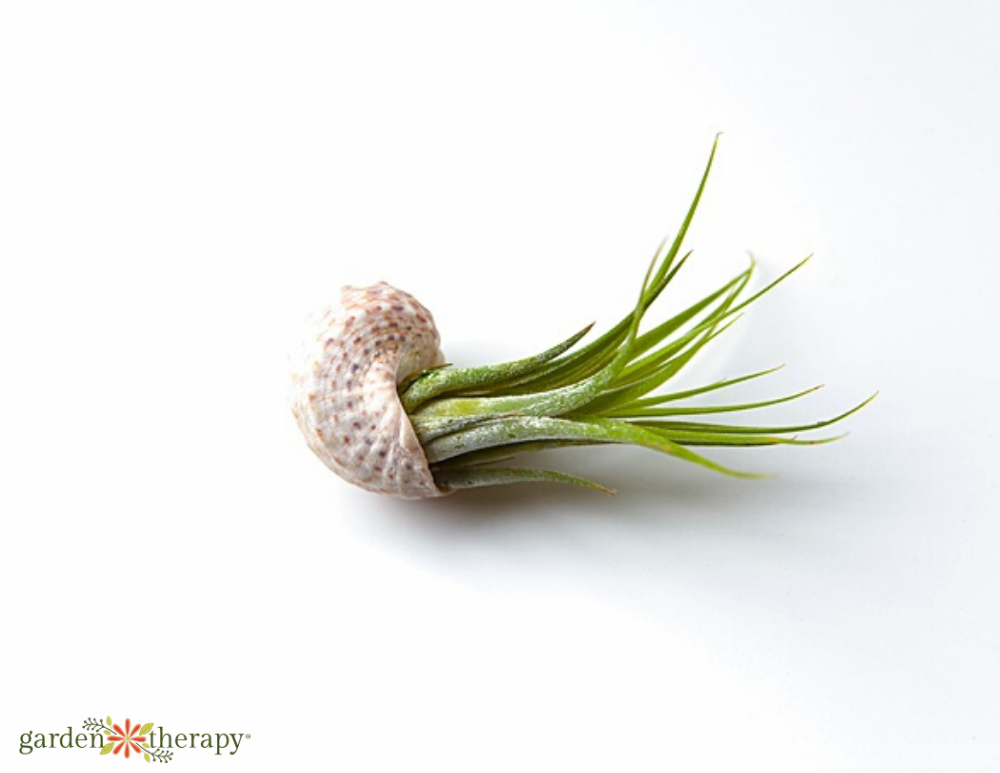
point(344, 396)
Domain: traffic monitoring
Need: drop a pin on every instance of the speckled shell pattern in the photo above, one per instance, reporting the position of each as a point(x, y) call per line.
point(343, 390)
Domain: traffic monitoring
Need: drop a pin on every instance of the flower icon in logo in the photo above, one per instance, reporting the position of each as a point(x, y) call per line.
point(130, 737)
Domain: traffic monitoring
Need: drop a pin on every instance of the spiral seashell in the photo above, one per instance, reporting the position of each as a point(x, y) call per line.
point(344, 389)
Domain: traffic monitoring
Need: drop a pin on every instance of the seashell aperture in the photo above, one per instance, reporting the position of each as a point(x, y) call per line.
point(344, 396)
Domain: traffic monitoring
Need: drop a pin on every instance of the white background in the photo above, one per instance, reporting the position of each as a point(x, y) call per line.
point(181, 183)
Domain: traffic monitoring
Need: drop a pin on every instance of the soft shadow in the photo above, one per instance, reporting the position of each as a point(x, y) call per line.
point(650, 490)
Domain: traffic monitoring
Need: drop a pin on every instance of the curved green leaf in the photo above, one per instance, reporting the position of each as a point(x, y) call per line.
point(435, 382)
point(466, 477)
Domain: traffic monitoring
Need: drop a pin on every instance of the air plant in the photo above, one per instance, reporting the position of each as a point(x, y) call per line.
point(377, 404)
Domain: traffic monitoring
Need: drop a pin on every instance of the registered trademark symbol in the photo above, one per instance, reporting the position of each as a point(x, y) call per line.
point(247, 736)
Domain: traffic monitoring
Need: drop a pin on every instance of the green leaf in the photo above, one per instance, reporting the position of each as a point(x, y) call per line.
point(704, 437)
point(505, 453)
point(145, 728)
point(747, 430)
point(107, 748)
point(475, 477)
point(109, 721)
point(596, 355)
point(673, 396)
point(629, 392)
point(704, 409)
point(441, 381)
point(145, 757)
point(505, 432)
point(581, 364)
point(145, 746)
point(648, 340)
point(548, 403)
point(107, 732)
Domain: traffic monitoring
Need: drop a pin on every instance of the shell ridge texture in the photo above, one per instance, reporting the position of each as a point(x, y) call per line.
point(343, 390)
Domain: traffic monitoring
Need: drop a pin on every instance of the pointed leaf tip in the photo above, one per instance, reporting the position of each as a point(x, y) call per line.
point(146, 728)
